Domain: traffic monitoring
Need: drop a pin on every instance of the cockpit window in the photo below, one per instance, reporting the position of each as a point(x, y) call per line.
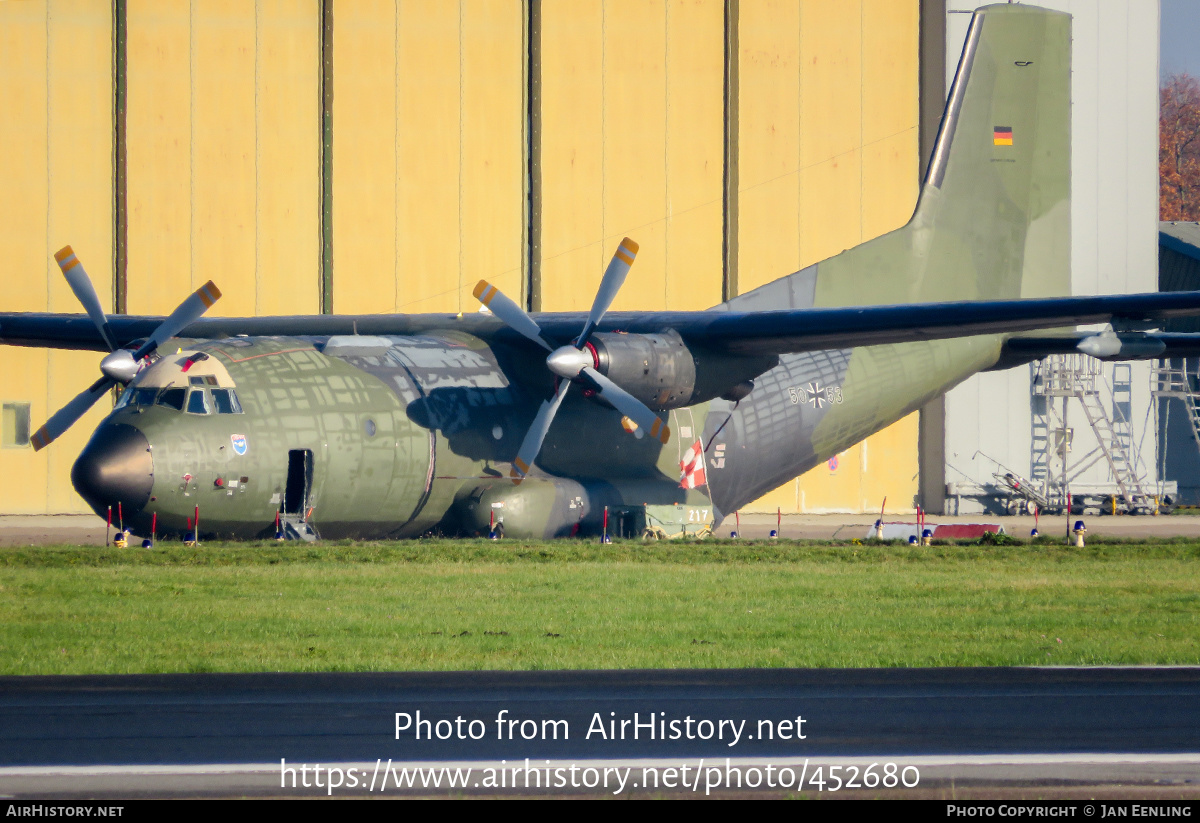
point(172, 398)
point(197, 402)
point(137, 398)
point(226, 401)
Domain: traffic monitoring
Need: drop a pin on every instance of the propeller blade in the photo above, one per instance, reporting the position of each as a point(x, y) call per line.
point(532, 444)
point(189, 310)
point(65, 417)
point(628, 405)
point(610, 284)
point(85, 292)
point(513, 315)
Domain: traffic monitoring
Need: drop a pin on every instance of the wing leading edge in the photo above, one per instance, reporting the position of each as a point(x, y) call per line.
point(734, 333)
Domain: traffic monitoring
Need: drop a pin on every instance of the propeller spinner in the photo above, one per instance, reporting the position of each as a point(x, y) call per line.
point(120, 365)
point(572, 363)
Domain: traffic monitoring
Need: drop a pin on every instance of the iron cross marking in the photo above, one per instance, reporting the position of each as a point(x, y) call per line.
point(816, 395)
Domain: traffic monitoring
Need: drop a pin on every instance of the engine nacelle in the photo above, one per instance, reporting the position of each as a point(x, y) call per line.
point(657, 369)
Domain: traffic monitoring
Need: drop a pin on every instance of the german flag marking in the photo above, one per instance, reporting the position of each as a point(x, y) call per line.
point(1002, 136)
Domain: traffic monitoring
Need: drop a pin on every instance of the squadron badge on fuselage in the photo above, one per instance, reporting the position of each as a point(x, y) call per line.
point(239, 443)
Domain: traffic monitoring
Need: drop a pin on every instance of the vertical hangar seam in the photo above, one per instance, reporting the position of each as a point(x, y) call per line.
point(396, 155)
point(729, 182)
point(325, 155)
point(862, 153)
point(533, 147)
point(461, 160)
point(667, 218)
point(120, 157)
point(191, 237)
point(50, 381)
point(799, 248)
point(257, 157)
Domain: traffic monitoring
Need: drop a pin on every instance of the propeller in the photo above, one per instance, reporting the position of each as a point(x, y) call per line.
point(120, 365)
point(571, 363)
point(81, 284)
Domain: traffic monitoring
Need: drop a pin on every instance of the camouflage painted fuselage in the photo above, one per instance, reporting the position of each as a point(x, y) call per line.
point(411, 434)
point(403, 435)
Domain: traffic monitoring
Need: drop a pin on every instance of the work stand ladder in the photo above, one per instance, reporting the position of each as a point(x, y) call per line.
point(1171, 378)
point(1056, 381)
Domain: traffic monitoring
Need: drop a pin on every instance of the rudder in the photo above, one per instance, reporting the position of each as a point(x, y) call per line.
point(993, 219)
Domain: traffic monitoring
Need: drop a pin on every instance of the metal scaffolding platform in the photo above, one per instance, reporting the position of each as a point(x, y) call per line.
point(1059, 383)
point(1172, 378)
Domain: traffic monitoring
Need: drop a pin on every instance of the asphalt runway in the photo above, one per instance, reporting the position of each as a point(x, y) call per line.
point(1132, 731)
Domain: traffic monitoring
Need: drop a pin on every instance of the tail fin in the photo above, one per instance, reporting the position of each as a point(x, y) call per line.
point(993, 219)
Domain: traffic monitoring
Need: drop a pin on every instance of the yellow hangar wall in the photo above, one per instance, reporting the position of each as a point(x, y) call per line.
point(632, 144)
point(428, 153)
point(56, 140)
point(828, 144)
point(633, 135)
point(430, 158)
point(223, 145)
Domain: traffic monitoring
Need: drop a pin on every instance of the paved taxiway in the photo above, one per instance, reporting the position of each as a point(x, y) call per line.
point(222, 733)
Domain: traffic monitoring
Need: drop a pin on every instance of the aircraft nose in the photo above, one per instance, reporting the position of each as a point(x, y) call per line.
point(115, 467)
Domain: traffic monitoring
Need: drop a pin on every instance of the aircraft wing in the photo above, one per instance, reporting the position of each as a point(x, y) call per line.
point(795, 330)
point(736, 333)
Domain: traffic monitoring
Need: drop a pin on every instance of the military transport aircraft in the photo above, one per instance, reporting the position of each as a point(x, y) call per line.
point(396, 425)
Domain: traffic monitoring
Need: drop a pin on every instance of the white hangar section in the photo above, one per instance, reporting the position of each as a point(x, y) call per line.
point(999, 422)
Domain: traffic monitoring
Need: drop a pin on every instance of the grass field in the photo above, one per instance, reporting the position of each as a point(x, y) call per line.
point(570, 605)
